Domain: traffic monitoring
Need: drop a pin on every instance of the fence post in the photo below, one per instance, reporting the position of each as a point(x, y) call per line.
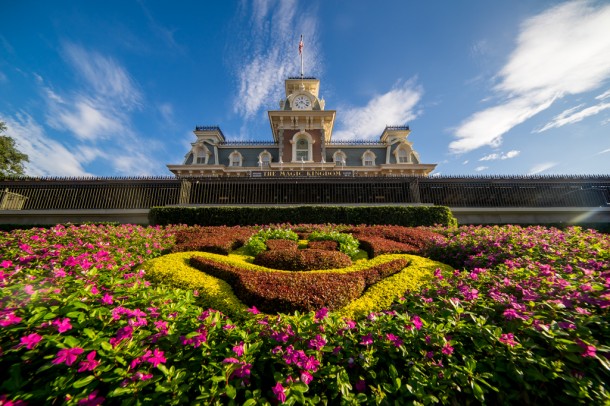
point(185, 192)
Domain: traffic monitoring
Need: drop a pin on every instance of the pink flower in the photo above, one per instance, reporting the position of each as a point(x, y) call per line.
point(155, 358)
point(239, 349)
point(94, 290)
point(139, 376)
point(107, 299)
point(278, 391)
point(511, 314)
point(29, 289)
point(67, 356)
point(8, 319)
point(397, 341)
point(92, 400)
point(6, 263)
point(589, 350)
point(62, 325)
point(438, 274)
point(253, 310)
point(90, 363)
point(360, 386)
point(30, 341)
point(317, 343)
point(447, 349)
point(367, 339)
point(417, 322)
point(306, 377)
point(508, 339)
point(322, 313)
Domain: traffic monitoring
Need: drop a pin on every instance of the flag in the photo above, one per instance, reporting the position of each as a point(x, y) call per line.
point(301, 46)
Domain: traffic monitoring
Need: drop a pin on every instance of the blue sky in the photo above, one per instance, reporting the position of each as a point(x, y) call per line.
point(115, 88)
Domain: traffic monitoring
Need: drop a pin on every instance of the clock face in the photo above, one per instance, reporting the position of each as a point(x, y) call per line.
point(301, 102)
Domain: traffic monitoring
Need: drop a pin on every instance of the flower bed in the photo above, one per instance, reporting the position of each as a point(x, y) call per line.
point(302, 260)
point(523, 319)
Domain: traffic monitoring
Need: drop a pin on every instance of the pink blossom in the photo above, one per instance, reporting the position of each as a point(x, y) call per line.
point(139, 376)
point(447, 349)
point(417, 322)
point(253, 310)
point(155, 358)
point(589, 350)
point(29, 289)
point(6, 263)
point(90, 363)
point(92, 400)
point(94, 290)
point(67, 356)
point(30, 341)
point(367, 339)
point(508, 339)
point(8, 319)
point(107, 299)
point(278, 391)
point(239, 349)
point(322, 313)
point(438, 274)
point(397, 341)
point(62, 325)
point(306, 377)
point(317, 343)
point(231, 360)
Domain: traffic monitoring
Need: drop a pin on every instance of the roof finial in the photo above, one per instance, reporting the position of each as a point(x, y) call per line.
point(301, 53)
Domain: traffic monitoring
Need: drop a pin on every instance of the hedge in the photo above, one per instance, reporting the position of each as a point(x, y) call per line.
point(409, 216)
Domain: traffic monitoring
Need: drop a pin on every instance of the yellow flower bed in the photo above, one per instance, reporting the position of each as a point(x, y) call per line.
point(174, 269)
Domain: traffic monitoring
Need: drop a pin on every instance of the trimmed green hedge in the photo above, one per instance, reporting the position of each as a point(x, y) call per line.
point(409, 216)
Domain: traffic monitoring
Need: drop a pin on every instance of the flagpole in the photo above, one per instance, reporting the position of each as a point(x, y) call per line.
point(301, 53)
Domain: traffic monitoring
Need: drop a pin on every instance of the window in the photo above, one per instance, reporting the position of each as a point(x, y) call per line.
point(235, 159)
point(403, 156)
point(368, 159)
point(302, 147)
point(302, 150)
point(264, 158)
point(339, 158)
point(202, 155)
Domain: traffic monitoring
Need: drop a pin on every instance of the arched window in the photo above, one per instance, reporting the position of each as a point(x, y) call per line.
point(235, 159)
point(403, 156)
point(368, 158)
point(339, 158)
point(201, 154)
point(302, 147)
point(264, 158)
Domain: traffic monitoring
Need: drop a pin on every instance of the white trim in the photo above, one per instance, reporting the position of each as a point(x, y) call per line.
point(310, 142)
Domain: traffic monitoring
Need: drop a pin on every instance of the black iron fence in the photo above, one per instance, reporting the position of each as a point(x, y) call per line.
point(143, 193)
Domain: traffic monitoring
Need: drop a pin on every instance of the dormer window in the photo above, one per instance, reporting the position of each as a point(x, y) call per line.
point(201, 155)
point(403, 156)
point(264, 159)
point(368, 158)
point(339, 158)
point(235, 159)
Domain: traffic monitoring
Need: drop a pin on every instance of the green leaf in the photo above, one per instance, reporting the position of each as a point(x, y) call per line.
point(478, 392)
point(71, 341)
point(249, 402)
point(231, 392)
point(299, 387)
point(90, 333)
point(83, 381)
point(163, 369)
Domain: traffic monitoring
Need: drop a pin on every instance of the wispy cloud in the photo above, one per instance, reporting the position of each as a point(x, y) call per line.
point(539, 168)
point(271, 38)
point(605, 151)
point(502, 156)
point(481, 168)
point(47, 156)
point(396, 107)
point(564, 50)
point(570, 116)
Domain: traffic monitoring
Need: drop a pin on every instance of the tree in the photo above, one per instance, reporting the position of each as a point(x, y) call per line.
point(11, 159)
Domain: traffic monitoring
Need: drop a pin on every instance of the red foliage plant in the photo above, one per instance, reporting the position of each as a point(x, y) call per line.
point(302, 260)
point(327, 245)
point(218, 240)
point(281, 245)
point(274, 292)
point(377, 240)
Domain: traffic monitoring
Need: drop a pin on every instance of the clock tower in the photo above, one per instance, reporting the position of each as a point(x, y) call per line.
point(301, 127)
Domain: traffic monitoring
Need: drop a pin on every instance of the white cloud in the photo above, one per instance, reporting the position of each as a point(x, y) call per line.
point(564, 50)
point(104, 76)
point(47, 156)
point(481, 168)
point(603, 96)
point(465, 162)
point(271, 40)
point(494, 156)
point(395, 107)
point(605, 151)
point(167, 112)
point(570, 117)
point(536, 169)
point(89, 122)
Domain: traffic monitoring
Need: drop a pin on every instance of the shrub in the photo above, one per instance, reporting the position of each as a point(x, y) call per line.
point(347, 243)
point(302, 260)
point(375, 246)
point(257, 243)
point(219, 240)
point(323, 245)
point(281, 245)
